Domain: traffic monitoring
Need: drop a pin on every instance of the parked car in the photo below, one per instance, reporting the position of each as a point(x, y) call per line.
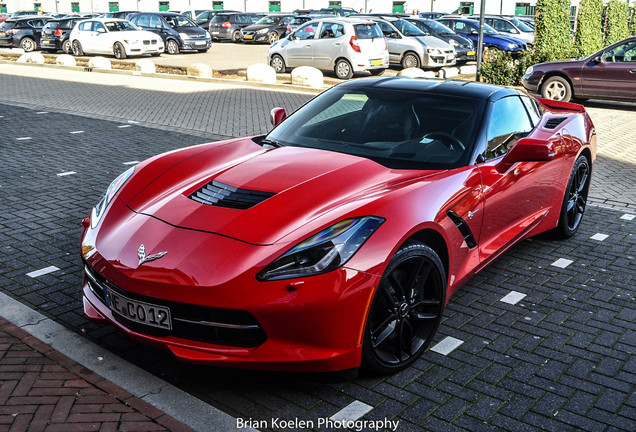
point(56, 33)
point(510, 26)
point(178, 32)
point(340, 11)
point(342, 45)
point(492, 38)
point(268, 29)
point(203, 19)
point(22, 32)
point(432, 15)
point(299, 20)
point(607, 74)
point(463, 46)
point(411, 47)
point(118, 37)
point(338, 238)
point(192, 14)
point(117, 14)
point(227, 26)
point(4, 16)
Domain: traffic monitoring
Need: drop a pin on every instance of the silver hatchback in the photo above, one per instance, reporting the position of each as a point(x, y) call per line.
point(342, 45)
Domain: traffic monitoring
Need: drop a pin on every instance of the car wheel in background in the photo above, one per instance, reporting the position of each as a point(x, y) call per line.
point(66, 46)
point(27, 44)
point(406, 310)
point(236, 36)
point(119, 51)
point(343, 69)
point(272, 37)
point(172, 47)
point(278, 63)
point(557, 88)
point(410, 60)
point(77, 48)
point(575, 199)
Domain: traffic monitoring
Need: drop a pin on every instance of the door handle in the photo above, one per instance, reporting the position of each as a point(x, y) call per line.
point(632, 71)
point(307, 46)
point(337, 44)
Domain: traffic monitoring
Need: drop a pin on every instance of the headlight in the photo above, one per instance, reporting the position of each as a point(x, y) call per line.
point(207, 34)
point(323, 252)
point(184, 36)
point(512, 45)
point(261, 31)
point(131, 41)
point(102, 204)
point(529, 70)
point(434, 51)
point(453, 42)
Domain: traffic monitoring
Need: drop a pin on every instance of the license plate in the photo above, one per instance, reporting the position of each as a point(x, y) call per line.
point(471, 52)
point(140, 312)
point(248, 37)
point(376, 62)
point(3, 34)
point(45, 42)
point(215, 32)
point(200, 43)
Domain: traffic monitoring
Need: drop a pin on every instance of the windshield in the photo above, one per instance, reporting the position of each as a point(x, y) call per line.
point(114, 26)
point(407, 29)
point(398, 129)
point(439, 27)
point(220, 18)
point(266, 20)
point(179, 21)
point(522, 26)
point(299, 20)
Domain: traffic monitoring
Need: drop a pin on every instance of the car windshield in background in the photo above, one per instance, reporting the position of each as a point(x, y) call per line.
point(398, 129)
point(179, 21)
point(489, 30)
point(51, 25)
point(220, 18)
point(299, 20)
point(522, 26)
point(266, 20)
point(368, 31)
point(407, 29)
point(114, 26)
point(439, 27)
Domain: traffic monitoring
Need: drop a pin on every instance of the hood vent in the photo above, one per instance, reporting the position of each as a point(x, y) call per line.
point(553, 122)
point(221, 195)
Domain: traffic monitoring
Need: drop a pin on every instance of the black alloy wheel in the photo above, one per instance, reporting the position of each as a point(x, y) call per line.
point(77, 48)
point(66, 46)
point(406, 310)
point(575, 199)
point(119, 51)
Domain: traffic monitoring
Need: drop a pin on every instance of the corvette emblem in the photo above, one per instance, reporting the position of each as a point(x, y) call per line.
point(141, 253)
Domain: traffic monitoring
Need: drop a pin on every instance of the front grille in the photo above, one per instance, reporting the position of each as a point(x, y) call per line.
point(553, 122)
point(197, 36)
point(449, 51)
point(248, 33)
point(229, 327)
point(219, 194)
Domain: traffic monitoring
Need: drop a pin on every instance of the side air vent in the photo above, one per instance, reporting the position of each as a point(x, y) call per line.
point(463, 228)
point(221, 195)
point(553, 122)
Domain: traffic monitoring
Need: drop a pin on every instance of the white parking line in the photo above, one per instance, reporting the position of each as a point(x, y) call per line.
point(131, 163)
point(133, 122)
point(77, 132)
point(599, 237)
point(352, 412)
point(628, 216)
point(123, 126)
point(447, 345)
point(46, 270)
point(67, 173)
point(513, 297)
point(562, 263)
point(23, 138)
point(42, 112)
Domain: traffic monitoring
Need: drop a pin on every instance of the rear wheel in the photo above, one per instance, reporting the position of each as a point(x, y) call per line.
point(172, 47)
point(406, 309)
point(343, 69)
point(28, 44)
point(410, 60)
point(66, 46)
point(278, 63)
point(575, 199)
point(557, 88)
point(77, 48)
point(236, 36)
point(119, 51)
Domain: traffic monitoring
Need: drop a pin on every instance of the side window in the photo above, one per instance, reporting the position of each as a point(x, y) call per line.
point(386, 29)
point(155, 21)
point(86, 26)
point(307, 31)
point(331, 30)
point(508, 123)
point(459, 27)
point(624, 53)
point(144, 21)
point(284, 21)
point(99, 26)
point(134, 19)
point(533, 110)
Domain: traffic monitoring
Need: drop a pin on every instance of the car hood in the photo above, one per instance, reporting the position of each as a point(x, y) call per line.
point(433, 42)
point(304, 184)
point(190, 30)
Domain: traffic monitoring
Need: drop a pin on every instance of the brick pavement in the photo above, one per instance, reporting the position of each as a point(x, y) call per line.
point(42, 390)
point(560, 359)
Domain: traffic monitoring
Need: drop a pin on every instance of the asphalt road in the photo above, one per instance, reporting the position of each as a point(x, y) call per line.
point(561, 358)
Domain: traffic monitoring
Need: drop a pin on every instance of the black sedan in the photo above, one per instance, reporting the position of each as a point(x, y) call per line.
point(22, 33)
point(463, 46)
point(268, 29)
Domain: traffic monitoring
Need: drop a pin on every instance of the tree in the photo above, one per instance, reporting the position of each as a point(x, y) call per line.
point(616, 19)
point(588, 37)
point(553, 40)
point(632, 22)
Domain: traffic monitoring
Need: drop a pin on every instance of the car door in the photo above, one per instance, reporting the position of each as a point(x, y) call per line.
point(102, 38)
point(612, 74)
point(36, 25)
point(328, 46)
point(515, 197)
point(86, 36)
point(300, 47)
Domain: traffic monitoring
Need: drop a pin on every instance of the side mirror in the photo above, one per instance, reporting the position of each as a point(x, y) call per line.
point(515, 31)
point(394, 35)
point(596, 59)
point(527, 150)
point(475, 32)
point(277, 115)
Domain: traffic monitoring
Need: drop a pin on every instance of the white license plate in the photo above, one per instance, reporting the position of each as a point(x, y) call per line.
point(140, 312)
point(200, 43)
point(215, 32)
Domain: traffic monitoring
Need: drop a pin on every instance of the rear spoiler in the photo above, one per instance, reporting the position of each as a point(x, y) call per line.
point(562, 106)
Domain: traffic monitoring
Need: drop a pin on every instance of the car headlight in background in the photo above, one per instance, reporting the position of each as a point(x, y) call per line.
point(529, 70)
point(261, 31)
point(323, 252)
point(131, 41)
point(207, 34)
point(184, 36)
point(434, 51)
point(512, 45)
point(102, 204)
point(453, 42)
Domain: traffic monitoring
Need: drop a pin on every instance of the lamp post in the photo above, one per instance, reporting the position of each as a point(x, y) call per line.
point(480, 40)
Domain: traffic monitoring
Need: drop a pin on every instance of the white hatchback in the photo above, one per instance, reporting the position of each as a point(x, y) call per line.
point(118, 37)
point(342, 45)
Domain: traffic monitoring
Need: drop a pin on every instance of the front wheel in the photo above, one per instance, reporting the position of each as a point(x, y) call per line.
point(172, 47)
point(77, 48)
point(272, 37)
point(575, 199)
point(410, 60)
point(406, 309)
point(278, 63)
point(343, 69)
point(557, 88)
point(119, 51)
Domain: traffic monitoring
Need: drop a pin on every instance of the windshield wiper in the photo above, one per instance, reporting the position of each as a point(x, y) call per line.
point(271, 143)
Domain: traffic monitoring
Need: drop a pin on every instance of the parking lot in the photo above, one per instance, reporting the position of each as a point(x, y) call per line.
point(559, 358)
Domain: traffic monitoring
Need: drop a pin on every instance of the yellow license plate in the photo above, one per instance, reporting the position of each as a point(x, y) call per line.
point(2, 34)
point(471, 52)
point(248, 37)
point(376, 62)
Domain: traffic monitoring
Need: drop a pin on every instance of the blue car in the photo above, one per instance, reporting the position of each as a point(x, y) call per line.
point(492, 38)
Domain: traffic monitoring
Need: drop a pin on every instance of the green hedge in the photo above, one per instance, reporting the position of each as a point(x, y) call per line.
point(616, 21)
point(632, 22)
point(588, 37)
point(500, 68)
point(553, 40)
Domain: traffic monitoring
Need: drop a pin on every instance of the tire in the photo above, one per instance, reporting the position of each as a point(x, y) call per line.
point(377, 72)
point(172, 47)
point(119, 51)
point(410, 60)
point(557, 88)
point(343, 69)
point(28, 44)
point(77, 48)
point(278, 63)
point(272, 37)
point(236, 36)
point(574, 200)
point(66, 47)
point(406, 310)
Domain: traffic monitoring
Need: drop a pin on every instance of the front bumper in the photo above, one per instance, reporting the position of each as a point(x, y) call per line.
point(141, 48)
point(196, 44)
point(255, 37)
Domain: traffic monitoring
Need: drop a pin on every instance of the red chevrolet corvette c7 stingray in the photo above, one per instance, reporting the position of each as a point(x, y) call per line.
point(338, 238)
